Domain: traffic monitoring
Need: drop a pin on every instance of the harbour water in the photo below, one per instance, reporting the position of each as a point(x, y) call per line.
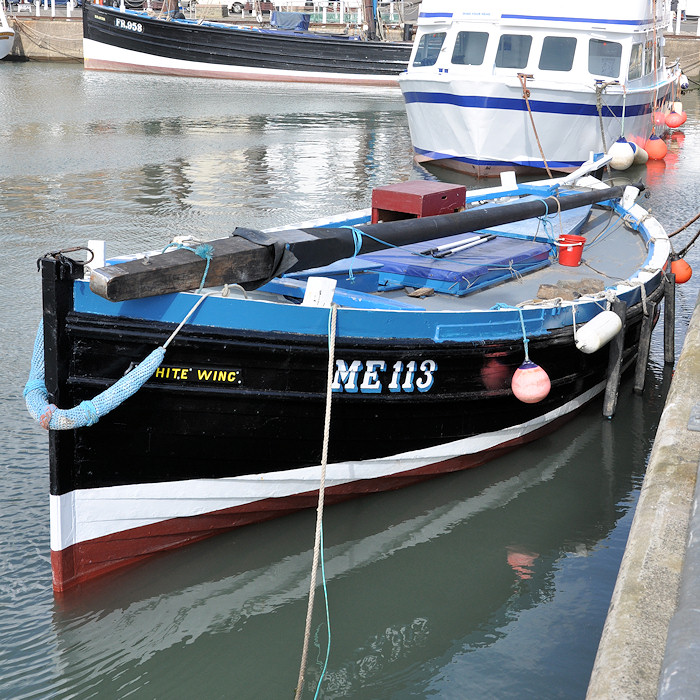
point(489, 583)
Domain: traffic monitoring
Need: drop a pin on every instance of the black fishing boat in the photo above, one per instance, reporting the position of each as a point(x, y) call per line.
point(448, 332)
point(142, 42)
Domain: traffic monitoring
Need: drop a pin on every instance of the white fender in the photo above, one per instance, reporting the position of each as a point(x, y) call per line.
point(598, 332)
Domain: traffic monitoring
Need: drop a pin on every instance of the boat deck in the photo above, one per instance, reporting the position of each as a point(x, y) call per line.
point(611, 254)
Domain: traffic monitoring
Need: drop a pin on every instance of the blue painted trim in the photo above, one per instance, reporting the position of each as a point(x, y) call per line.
point(238, 314)
point(518, 104)
point(269, 317)
point(586, 20)
point(430, 15)
point(437, 155)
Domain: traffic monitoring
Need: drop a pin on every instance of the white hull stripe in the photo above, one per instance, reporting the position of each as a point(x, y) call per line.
point(87, 514)
point(95, 53)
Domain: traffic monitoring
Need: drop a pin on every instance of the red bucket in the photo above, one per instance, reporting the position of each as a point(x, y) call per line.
point(570, 249)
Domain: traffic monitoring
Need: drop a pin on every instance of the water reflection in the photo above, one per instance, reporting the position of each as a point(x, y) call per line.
point(414, 578)
point(489, 583)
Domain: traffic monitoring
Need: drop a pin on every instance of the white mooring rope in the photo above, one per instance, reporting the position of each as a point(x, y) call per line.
point(319, 510)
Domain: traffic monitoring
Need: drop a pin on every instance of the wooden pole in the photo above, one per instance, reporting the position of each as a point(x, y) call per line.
point(615, 361)
point(640, 369)
point(669, 318)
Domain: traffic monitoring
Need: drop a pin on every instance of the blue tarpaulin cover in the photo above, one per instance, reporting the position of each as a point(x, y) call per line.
point(290, 20)
point(486, 264)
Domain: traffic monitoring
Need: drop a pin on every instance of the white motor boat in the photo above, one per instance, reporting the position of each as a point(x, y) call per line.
point(497, 86)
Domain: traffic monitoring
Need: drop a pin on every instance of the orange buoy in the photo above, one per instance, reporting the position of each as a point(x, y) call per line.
point(655, 147)
point(681, 269)
point(659, 119)
point(530, 383)
point(674, 120)
point(684, 116)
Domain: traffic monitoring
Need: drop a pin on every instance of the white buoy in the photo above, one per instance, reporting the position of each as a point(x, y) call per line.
point(599, 331)
point(640, 155)
point(622, 154)
point(684, 82)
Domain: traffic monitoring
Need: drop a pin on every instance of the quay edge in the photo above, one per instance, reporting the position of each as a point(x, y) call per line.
point(630, 659)
point(60, 38)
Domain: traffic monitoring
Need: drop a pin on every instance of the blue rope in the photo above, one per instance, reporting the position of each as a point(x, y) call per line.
point(328, 618)
point(547, 225)
point(526, 342)
point(203, 250)
point(321, 557)
point(86, 413)
point(357, 240)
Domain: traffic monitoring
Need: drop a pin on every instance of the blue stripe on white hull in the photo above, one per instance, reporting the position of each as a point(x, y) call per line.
point(490, 125)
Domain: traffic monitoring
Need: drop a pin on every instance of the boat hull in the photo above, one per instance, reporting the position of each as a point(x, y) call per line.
point(486, 127)
point(229, 430)
point(135, 42)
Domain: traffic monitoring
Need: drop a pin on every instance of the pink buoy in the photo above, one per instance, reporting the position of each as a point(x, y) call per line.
point(659, 119)
point(530, 383)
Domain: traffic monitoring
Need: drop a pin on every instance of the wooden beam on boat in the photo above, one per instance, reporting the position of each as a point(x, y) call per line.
point(251, 258)
point(233, 260)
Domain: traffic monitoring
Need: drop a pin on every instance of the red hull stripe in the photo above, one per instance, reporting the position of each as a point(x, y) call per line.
point(86, 560)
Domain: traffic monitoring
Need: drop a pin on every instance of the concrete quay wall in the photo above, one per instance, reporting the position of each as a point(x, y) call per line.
point(630, 659)
point(686, 48)
point(47, 38)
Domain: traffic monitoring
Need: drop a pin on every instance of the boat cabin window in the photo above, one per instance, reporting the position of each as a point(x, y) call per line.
point(635, 69)
point(513, 51)
point(649, 58)
point(429, 49)
point(604, 58)
point(557, 53)
point(470, 48)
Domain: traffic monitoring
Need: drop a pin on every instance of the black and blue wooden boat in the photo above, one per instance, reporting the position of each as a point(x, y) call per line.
point(430, 346)
point(138, 41)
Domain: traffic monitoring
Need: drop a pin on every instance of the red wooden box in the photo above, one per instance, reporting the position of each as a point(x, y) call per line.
point(415, 199)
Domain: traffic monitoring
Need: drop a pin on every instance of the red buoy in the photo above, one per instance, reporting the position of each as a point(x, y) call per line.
point(674, 120)
point(681, 270)
point(684, 116)
point(659, 119)
point(530, 383)
point(655, 147)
